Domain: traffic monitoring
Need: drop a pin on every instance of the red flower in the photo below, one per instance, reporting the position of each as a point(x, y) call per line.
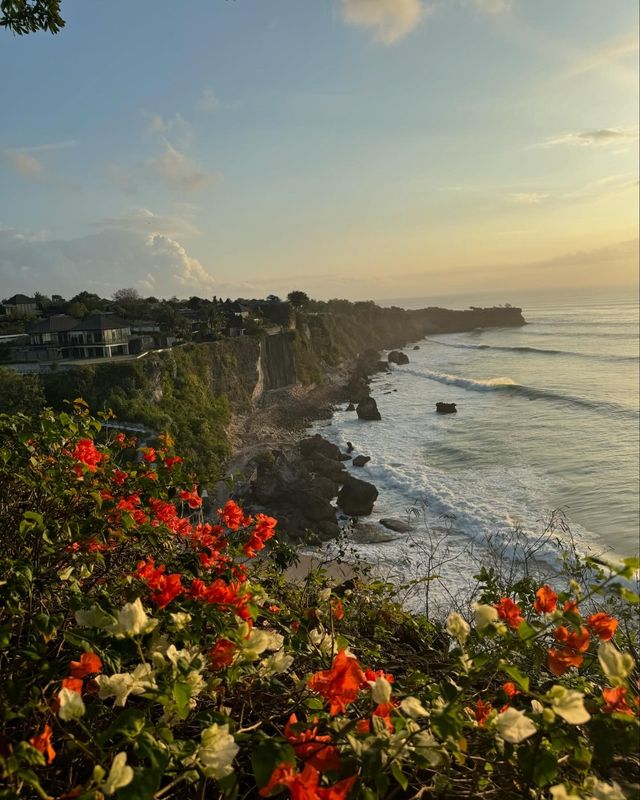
point(221, 654)
point(546, 600)
point(164, 588)
point(73, 684)
point(89, 664)
point(615, 700)
point(371, 675)
point(510, 612)
point(263, 530)
point(274, 609)
point(305, 785)
point(87, 453)
point(482, 711)
point(576, 640)
point(120, 438)
point(312, 748)
point(559, 661)
point(42, 742)
point(149, 454)
point(603, 625)
point(233, 516)
point(191, 498)
point(340, 684)
point(171, 461)
point(570, 607)
point(119, 476)
point(337, 608)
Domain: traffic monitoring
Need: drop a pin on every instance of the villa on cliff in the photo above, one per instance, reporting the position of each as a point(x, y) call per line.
point(101, 335)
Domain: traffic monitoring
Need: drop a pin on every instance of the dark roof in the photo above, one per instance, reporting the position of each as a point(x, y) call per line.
point(101, 322)
point(54, 324)
point(20, 299)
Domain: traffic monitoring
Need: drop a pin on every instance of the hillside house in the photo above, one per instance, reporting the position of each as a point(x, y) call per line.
point(63, 337)
point(21, 306)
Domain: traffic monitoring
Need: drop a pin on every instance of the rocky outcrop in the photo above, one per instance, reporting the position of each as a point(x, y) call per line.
point(315, 445)
point(356, 498)
point(446, 408)
point(368, 409)
point(350, 407)
point(397, 357)
point(397, 525)
point(360, 461)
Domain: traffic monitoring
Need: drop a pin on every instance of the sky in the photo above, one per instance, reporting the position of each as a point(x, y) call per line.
point(365, 149)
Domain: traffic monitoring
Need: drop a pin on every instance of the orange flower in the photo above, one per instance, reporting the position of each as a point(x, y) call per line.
point(571, 607)
point(340, 684)
point(42, 742)
point(192, 499)
point(233, 516)
point(89, 664)
point(546, 600)
point(603, 625)
point(559, 661)
point(482, 711)
point(577, 641)
point(86, 452)
point(337, 609)
point(73, 684)
point(149, 454)
point(616, 700)
point(509, 612)
point(221, 654)
point(312, 748)
point(305, 785)
point(372, 675)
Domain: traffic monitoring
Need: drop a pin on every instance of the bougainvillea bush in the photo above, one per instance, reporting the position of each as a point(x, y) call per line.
point(146, 652)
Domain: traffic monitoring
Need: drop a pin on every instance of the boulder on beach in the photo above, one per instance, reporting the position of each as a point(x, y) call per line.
point(446, 408)
point(397, 357)
point(316, 444)
point(368, 409)
point(350, 407)
point(356, 498)
point(397, 525)
point(349, 447)
point(360, 461)
point(416, 346)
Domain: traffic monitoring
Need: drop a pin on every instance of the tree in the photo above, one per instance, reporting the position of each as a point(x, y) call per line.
point(29, 16)
point(20, 393)
point(298, 299)
point(128, 295)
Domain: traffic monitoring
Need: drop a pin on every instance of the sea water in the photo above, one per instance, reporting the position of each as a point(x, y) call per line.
point(547, 420)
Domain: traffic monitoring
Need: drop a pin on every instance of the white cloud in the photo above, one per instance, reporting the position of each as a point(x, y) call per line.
point(493, 6)
point(609, 54)
point(208, 101)
point(602, 137)
point(24, 163)
point(102, 262)
point(142, 220)
point(41, 148)
point(390, 20)
point(528, 198)
point(177, 170)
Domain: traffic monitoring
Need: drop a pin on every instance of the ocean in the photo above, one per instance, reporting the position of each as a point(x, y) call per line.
point(547, 421)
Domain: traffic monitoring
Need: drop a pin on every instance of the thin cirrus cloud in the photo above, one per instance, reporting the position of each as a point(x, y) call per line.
point(390, 20)
point(177, 170)
point(602, 137)
point(528, 198)
point(24, 164)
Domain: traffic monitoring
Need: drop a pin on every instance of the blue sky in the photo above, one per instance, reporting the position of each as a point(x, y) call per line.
point(358, 148)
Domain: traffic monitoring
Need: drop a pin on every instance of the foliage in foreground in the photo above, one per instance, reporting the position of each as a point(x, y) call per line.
point(146, 653)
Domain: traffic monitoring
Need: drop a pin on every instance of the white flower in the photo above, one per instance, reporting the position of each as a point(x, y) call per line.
point(122, 684)
point(568, 704)
point(216, 752)
point(413, 708)
point(616, 666)
point(599, 790)
point(132, 621)
point(484, 615)
point(120, 774)
point(71, 705)
point(457, 627)
point(180, 619)
point(537, 707)
point(276, 664)
point(380, 690)
point(514, 726)
point(560, 793)
point(324, 595)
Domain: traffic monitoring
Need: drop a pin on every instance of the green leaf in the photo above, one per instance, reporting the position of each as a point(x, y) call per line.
point(266, 756)
point(513, 672)
point(525, 631)
point(399, 775)
point(181, 694)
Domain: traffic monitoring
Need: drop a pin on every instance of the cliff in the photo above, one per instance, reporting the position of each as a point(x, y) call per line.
point(193, 390)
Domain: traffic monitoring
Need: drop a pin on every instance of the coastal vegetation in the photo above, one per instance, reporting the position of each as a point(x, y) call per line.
point(148, 652)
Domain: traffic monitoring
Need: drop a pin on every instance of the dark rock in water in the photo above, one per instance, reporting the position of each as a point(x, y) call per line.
point(360, 461)
point(349, 447)
point(345, 457)
point(350, 407)
point(328, 468)
point(416, 347)
point(446, 408)
point(316, 444)
point(314, 507)
point(396, 525)
point(368, 409)
point(397, 357)
point(357, 497)
point(381, 366)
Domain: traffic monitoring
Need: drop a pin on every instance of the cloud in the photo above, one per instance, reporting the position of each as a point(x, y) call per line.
point(528, 198)
point(602, 137)
point(390, 20)
point(142, 220)
point(41, 148)
point(208, 101)
point(177, 170)
point(493, 6)
point(607, 55)
point(102, 262)
point(24, 163)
